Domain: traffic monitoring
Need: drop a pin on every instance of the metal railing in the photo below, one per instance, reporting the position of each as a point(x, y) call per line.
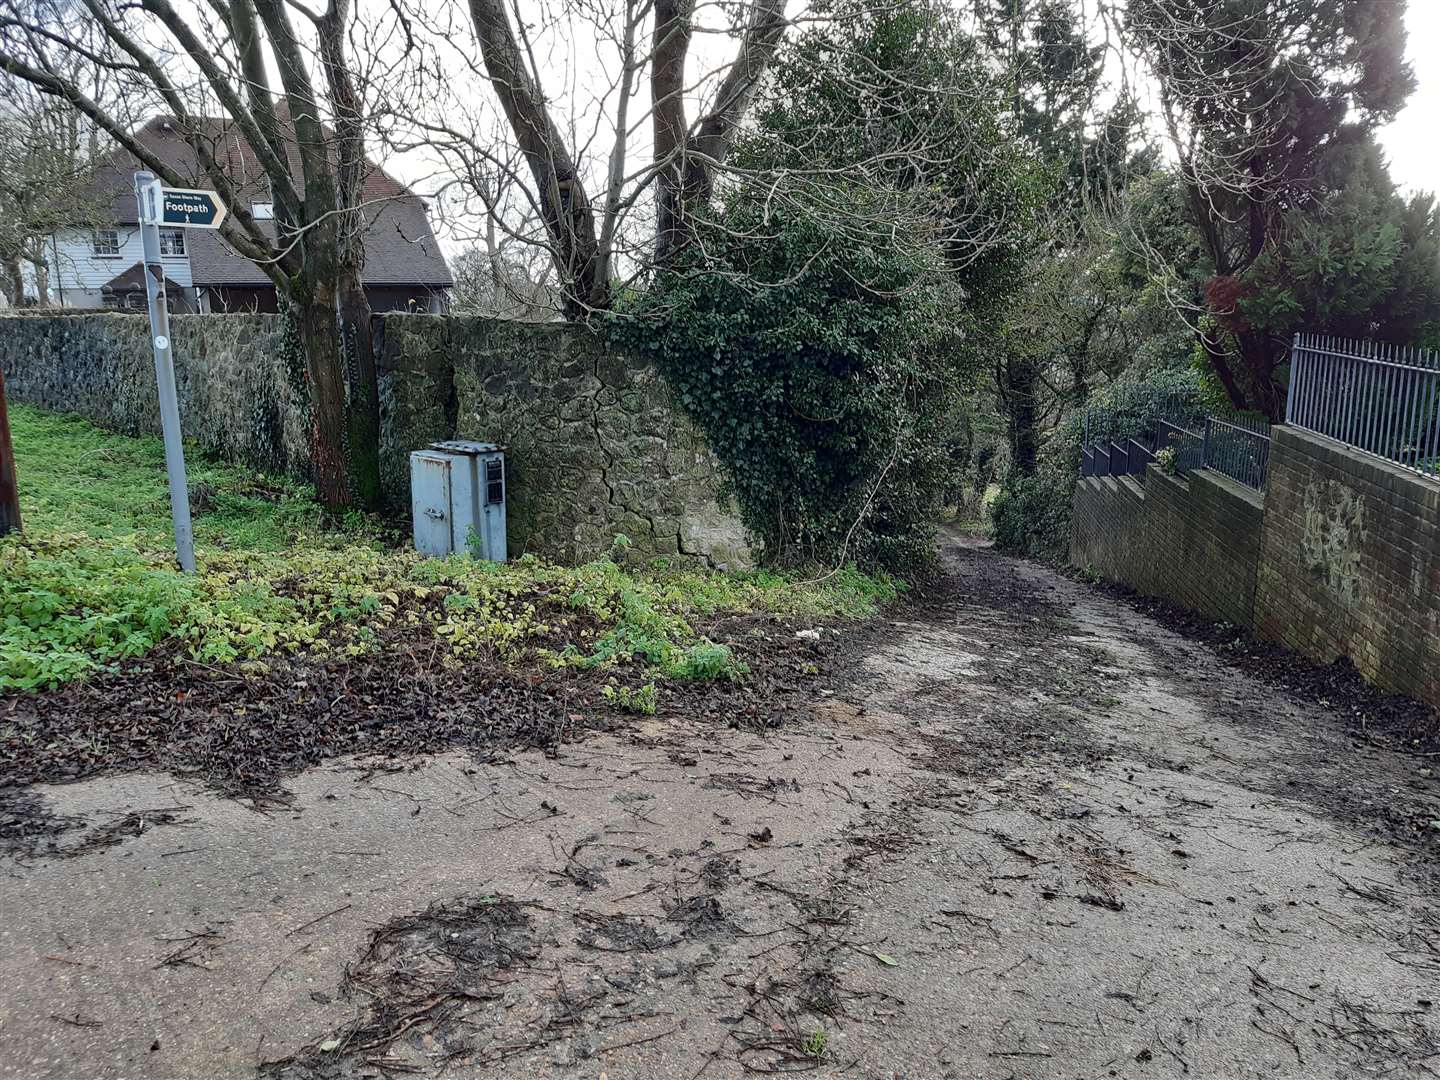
point(1131, 410)
point(1236, 446)
point(1188, 445)
point(1239, 448)
point(1382, 399)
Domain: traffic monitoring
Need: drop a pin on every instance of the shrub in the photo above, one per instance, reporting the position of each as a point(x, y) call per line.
point(818, 369)
point(1031, 514)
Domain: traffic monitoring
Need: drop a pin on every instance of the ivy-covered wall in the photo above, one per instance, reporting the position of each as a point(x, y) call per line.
point(595, 445)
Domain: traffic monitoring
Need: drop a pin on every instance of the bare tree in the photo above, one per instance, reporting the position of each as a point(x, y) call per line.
point(301, 144)
point(581, 89)
point(611, 127)
point(47, 153)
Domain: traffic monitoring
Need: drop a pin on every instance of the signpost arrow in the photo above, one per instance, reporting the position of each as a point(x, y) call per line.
point(191, 209)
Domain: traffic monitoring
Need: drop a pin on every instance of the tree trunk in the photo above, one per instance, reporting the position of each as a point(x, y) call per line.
point(9, 489)
point(1258, 353)
point(687, 159)
point(13, 282)
point(363, 377)
point(1220, 362)
point(332, 317)
point(42, 283)
point(1021, 412)
point(559, 190)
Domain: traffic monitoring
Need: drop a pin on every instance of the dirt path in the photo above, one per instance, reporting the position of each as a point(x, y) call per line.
point(1034, 835)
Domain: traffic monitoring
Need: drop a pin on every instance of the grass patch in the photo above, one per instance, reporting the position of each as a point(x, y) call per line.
point(91, 583)
point(78, 478)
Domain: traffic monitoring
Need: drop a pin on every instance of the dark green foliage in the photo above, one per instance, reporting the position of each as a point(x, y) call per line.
point(823, 397)
point(1271, 103)
point(1031, 514)
point(896, 104)
point(1054, 76)
point(825, 320)
point(1054, 341)
point(1357, 260)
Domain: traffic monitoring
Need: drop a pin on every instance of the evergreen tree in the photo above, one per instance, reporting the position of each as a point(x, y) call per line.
point(1055, 80)
point(1268, 104)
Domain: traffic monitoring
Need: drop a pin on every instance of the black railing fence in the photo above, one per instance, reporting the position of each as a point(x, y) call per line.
point(1382, 399)
point(1180, 434)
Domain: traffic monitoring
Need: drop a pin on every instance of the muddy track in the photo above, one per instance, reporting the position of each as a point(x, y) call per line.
point(1024, 831)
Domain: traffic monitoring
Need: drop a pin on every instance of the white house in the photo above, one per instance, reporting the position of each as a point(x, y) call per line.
point(92, 268)
point(104, 267)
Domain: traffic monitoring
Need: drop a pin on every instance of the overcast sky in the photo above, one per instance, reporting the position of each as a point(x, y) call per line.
point(1413, 140)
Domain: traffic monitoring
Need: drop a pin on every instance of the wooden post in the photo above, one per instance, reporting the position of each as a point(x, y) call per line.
point(9, 491)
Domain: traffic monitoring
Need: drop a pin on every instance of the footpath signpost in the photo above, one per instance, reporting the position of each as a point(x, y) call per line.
point(186, 209)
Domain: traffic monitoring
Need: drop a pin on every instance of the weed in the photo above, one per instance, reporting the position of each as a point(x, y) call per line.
point(642, 701)
point(815, 1044)
point(92, 584)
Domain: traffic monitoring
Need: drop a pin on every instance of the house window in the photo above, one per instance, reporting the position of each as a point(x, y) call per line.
point(262, 211)
point(172, 241)
point(106, 242)
point(110, 300)
point(137, 301)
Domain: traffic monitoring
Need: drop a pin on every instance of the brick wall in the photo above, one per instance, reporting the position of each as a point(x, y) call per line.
point(1340, 557)
point(1193, 541)
point(1351, 562)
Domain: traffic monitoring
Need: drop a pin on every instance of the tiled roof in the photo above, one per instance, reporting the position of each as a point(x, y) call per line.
point(400, 248)
point(133, 280)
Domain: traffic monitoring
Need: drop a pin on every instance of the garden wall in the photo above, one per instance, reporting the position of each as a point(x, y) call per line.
point(595, 445)
point(1351, 562)
point(1340, 557)
point(1194, 541)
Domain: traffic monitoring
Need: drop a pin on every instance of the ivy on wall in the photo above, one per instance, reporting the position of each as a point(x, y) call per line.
point(818, 369)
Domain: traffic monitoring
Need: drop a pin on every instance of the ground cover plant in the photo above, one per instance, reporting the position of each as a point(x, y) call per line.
point(91, 584)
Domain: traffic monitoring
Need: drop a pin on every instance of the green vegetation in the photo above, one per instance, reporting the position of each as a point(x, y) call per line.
point(642, 701)
point(1293, 220)
point(815, 1045)
point(78, 478)
point(1031, 513)
point(91, 582)
point(835, 306)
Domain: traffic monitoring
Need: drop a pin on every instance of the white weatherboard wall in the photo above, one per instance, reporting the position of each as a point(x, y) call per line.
point(76, 272)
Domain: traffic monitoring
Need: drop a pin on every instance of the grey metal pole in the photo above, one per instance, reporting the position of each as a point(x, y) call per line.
point(9, 489)
point(147, 198)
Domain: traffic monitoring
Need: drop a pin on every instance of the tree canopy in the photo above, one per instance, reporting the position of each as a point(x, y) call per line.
point(1267, 104)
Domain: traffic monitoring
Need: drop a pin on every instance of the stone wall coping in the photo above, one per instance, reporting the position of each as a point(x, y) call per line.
point(1231, 487)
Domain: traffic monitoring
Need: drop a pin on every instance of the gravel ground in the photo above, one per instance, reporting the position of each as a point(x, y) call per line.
point(1021, 829)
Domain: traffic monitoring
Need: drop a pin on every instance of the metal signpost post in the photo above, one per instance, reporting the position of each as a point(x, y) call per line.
point(9, 491)
point(158, 206)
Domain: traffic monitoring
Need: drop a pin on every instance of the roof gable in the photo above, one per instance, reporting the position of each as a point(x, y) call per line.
point(400, 247)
